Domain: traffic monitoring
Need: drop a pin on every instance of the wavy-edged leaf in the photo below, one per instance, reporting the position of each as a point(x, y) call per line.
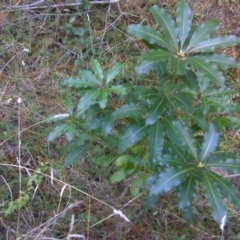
point(102, 98)
point(230, 164)
point(118, 176)
point(202, 33)
point(186, 192)
point(178, 65)
point(167, 25)
point(145, 66)
point(226, 188)
point(210, 142)
point(218, 42)
point(219, 157)
point(79, 82)
point(58, 131)
point(107, 125)
point(132, 135)
point(190, 80)
point(156, 55)
point(70, 131)
point(155, 141)
point(149, 34)
point(96, 67)
point(220, 92)
point(113, 72)
point(118, 89)
point(220, 60)
point(156, 110)
point(214, 197)
point(128, 110)
point(233, 122)
point(173, 161)
point(181, 100)
point(220, 104)
point(76, 155)
point(208, 70)
point(89, 77)
point(68, 103)
point(199, 120)
point(183, 20)
point(87, 100)
point(186, 139)
point(169, 179)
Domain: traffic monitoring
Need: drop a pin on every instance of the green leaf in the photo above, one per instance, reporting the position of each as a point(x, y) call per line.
point(144, 67)
point(199, 120)
point(167, 25)
point(68, 103)
point(232, 165)
point(226, 188)
point(87, 100)
point(79, 82)
point(156, 56)
point(149, 34)
point(190, 80)
point(219, 103)
point(185, 137)
point(155, 141)
point(104, 160)
point(211, 139)
point(70, 131)
point(136, 184)
point(156, 110)
point(89, 77)
point(218, 42)
point(202, 33)
point(214, 197)
point(102, 98)
point(132, 135)
point(76, 155)
point(169, 179)
point(113, 72)
point(208, 70)
point(219, 157)
point(118, 89)
point(183, 21)
point(178, 65)
point(107, 125)
point(185, 196)
point(58, 131)
point(97, 69)
point(128, 110)
point(220, 60)
point(219, 92)
point(118, 176)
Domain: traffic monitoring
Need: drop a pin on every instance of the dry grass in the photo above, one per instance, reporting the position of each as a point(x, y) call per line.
point(79, 200)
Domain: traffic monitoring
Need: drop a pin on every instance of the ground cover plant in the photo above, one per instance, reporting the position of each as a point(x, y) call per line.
point(112, 118)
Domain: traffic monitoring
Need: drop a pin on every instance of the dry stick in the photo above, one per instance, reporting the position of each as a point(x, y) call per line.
point(31, 7)
point(50, 220)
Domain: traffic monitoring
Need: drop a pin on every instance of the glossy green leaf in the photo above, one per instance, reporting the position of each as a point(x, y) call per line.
point(155, 141)
point(214, 197)
point(186, 192)
point(220, 92)
point(186, 139)
point(218, 42)
point(156, 56)
point(79, 82)
point(118, 176)
point(219, 104)
point(128, 110)
point(58, 131)
point(190, 80)
point(156, 110)
point(226, 188)
point(230, 164)
point(87, 100)
point(210, 142)
point(68, 103)
point(132, 135)
point(173, 161)
point(107, 125)
point(76, 155)
point(183, 21)
point(199, 120)
point(97, 69)
point(167, 25)
point(178, 65)
point(70, 131)
point(145, 66)
point(219, 157)
point(208, 70)
point(181, 100)
point(169, 179)
point(220, 60)
point(149, 34)
point(102, 98)
point(202, 33)
point(89, 77)
point(118, 89)
point(113, 72)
